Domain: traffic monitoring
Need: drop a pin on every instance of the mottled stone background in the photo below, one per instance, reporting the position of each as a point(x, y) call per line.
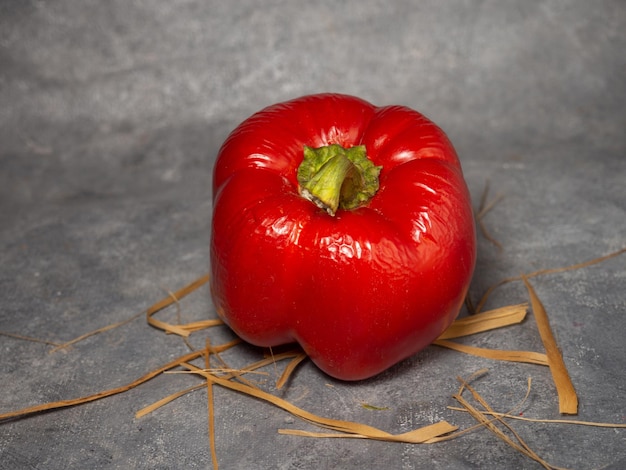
point(111, 114)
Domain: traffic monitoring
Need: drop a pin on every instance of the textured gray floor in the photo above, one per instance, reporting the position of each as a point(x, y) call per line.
point(110, 117)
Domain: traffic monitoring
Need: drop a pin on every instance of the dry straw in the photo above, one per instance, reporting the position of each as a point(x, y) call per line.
point(234, 379)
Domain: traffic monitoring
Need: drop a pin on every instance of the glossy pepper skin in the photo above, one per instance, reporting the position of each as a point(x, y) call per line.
point(360, 290)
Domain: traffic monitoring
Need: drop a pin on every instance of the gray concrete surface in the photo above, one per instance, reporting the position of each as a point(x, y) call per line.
point(111, 114)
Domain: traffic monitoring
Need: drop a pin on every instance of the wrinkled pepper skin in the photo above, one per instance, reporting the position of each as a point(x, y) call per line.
point(364, 289)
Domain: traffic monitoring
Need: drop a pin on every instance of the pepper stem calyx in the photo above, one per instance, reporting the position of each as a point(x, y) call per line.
point(334, 177)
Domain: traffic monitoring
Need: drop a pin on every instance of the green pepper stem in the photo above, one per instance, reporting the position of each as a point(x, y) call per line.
point(334, 177)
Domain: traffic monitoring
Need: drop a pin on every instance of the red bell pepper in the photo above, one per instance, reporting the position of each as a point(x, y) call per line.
point(341, 226)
